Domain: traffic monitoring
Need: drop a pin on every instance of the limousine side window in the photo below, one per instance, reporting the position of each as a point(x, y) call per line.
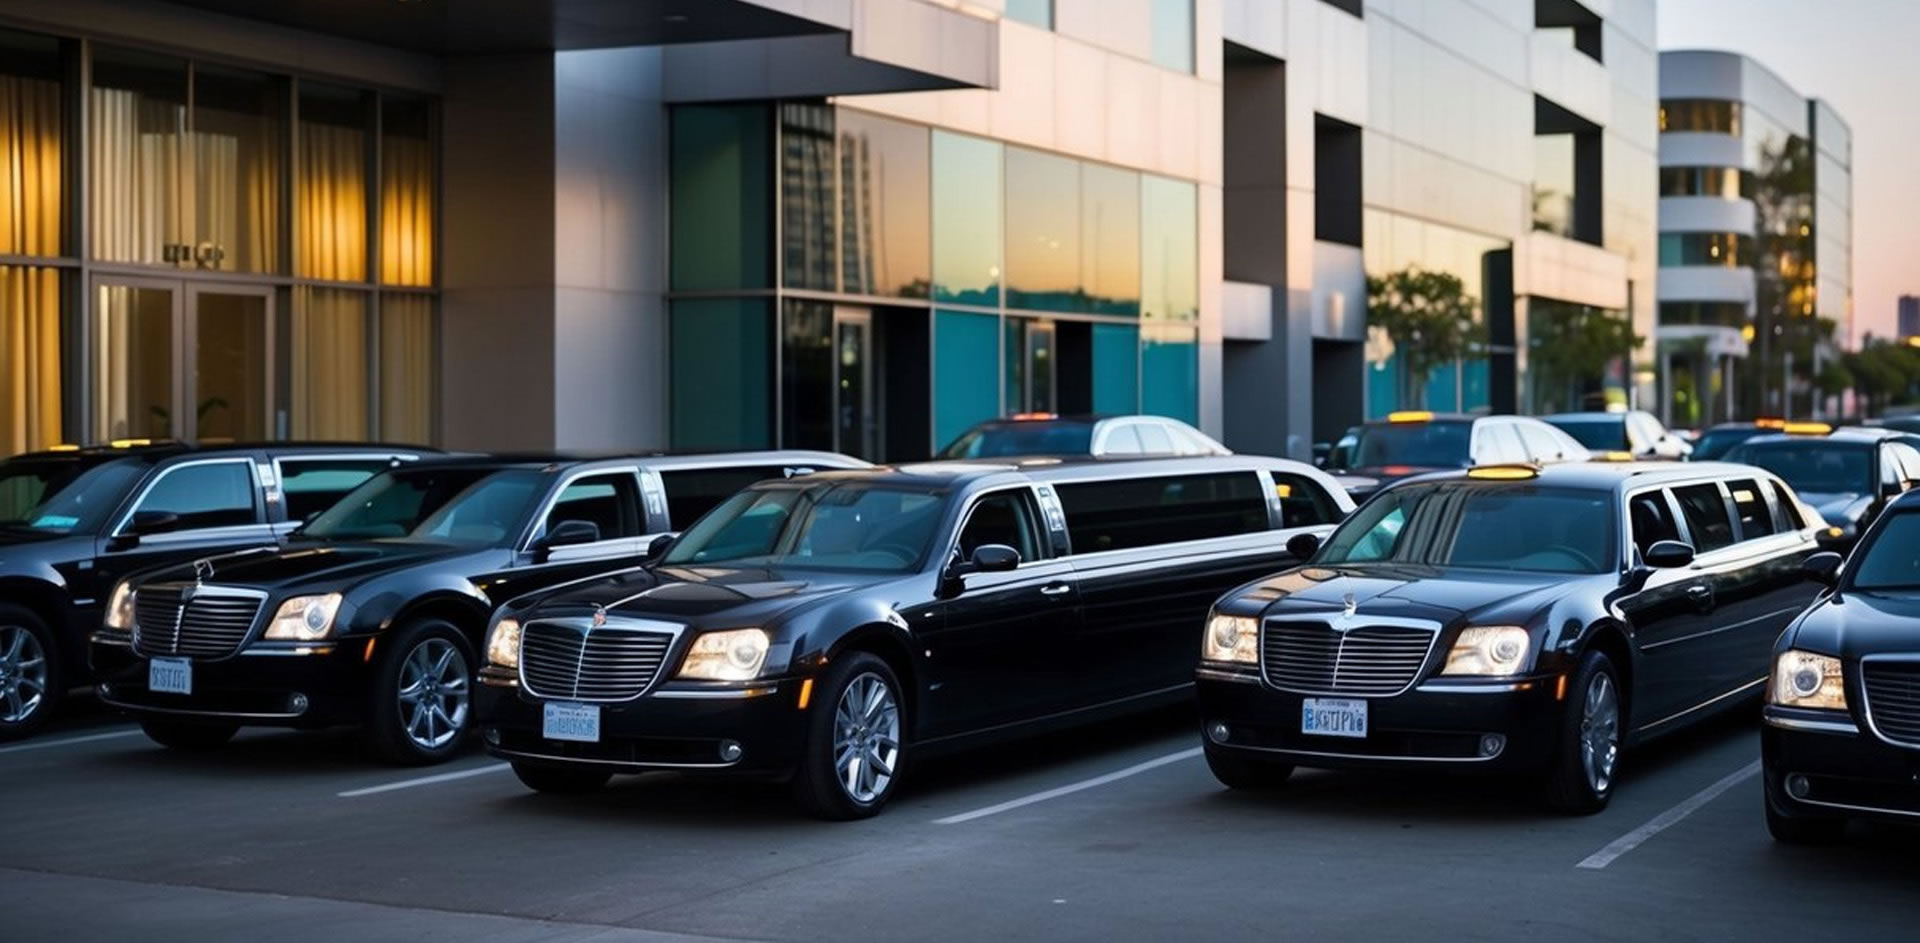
point(1143, 512)
point(205, 494)
point(1651, 520)
point(1303, 503)
point(1751, 505)
point(1706, 515)
point(695, 491)
point(610, 502)
point(313, 485)
point(1004, 518)
point(1789, 510)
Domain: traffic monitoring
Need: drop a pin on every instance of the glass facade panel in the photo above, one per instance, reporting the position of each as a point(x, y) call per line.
point(1035, 12)
point(1725, 182)
point(132, 362)
point(1700, 114)
point(1043, 232)
point(806, 375)
point(409, 370)
point(1553, 182)
point(722, 373)
point(1716, 313)
point(30, 362)
point(331, 183)
point(1395, 243)
point(1170, 372)
point(332, 354)
point(1169, 249)
point(1116, 368)
point(1732, 250)
point(721, 188)
point(966, 219)
point(885, 207)
point(239, 167)
point(808, 220)
point(406, 192)
point(1173, 34)
point(1110, 239)
point(137, 128)
point(965, 391)
point(33, 195)
point(1566, 370)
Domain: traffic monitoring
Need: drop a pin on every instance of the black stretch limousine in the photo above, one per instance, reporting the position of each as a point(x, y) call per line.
point(833, 629)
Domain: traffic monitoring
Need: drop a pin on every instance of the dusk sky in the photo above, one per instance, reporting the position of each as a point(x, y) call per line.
point(1858, 55)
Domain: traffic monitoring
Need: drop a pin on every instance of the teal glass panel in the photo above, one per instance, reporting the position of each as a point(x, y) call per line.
point(966, 220)
point(1443, 393)
point(1043, 232)
point(721, 193)
point(721, 356)
point(1383, 388)
point(966, 388)
point(1473, 386)
point(1036, 12)
point(1173, 34)
point(1169, 249)
point(1110, 239)
point(1170, 373)
point(1116, 368)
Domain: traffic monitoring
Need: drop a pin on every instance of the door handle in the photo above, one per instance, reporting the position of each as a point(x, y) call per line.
point(1701, 596)
point(1055, 589)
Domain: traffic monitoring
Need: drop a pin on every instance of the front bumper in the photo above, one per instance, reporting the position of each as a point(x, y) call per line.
point(1431, 725)
point(1838, 767)
point(270, 684)
point(676, 726)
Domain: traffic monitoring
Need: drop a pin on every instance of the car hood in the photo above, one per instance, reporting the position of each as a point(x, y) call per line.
point(1838, 508)
point(1852, 624)
point(1406, 591)
point(739, 596)
point(314, 567)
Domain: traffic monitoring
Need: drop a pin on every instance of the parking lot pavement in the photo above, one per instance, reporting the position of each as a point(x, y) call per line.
point(1117, 832)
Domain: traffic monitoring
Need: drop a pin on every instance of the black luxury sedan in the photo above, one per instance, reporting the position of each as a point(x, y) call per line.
point(1841, 737)
point(833, 630)
point(1510, 618)
point(1847, 475)
point(374, 611)
point(1414, 442)
point(74, 520)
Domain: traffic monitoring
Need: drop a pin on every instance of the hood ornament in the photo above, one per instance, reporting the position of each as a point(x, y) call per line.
point(202, 570)
point(599, 616)
point(1351, 604)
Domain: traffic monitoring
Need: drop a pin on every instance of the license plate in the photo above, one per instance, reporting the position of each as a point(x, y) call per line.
point(1333, 717)
point(170, 676)
point(579, 723)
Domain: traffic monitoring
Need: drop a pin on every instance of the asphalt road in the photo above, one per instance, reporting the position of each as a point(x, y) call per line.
point(1115, 833)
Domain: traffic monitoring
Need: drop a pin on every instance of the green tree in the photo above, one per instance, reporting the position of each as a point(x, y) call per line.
point(1430, 318)
point(1569, 348)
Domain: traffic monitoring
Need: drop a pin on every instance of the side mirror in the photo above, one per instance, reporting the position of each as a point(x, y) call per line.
point(1669, 554)
point(1303, 546)
point(660, 545)
point(1823, 567)
point(152, 522)
point(987, 558)
point(569, 534)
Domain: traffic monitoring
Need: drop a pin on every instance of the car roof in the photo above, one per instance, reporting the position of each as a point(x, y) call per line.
point(958, 473)
point(155, 450)
point(652, 459)
point(1601, 475)
point(1838, 436)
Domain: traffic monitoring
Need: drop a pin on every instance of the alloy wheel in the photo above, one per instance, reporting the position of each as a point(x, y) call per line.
point(1600, 733)
point(23, 674)
point(866, 738)
point(433, 693)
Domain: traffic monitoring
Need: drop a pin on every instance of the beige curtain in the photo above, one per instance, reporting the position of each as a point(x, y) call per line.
point(332, 197)
point(29, 166)
point(30, 224)
point(406, 211)
point(133, 173)
point(407, 378)
point(236, 203)
point(329, 363)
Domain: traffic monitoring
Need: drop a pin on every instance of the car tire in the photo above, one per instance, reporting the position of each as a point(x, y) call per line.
point(851, 761)
point(188, 735)
point(420, 704)
point(1239, 771)
point(1586, 762)
point(32, 679)
point(561, 780)
point(1804, 830)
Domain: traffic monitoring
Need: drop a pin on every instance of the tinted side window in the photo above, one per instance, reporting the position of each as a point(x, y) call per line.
point(694, 492)
point(1006, 519)
point(1751, 506)
point(1303, 503)
point(1142, 512)
point(1651, 519)
point(217, 494)
point(1789, 510)
point(1706, 516)
point(610, 502)
point(313, 485)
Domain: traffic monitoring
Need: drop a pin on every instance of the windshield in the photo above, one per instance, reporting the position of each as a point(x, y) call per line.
point(1717, 442)
point(1892, 559)
point(831, 525)
point(1814, 467)
point(63, 497)
point(1605, 435)
point(468, 506)
point(1422, 444)
point(999, 439)
point(1466, 524)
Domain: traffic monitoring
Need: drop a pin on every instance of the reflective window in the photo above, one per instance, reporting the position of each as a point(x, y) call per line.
point(1144, 512)
point(1732, 250)
point(1729, 183)
point(33, 199)
point(331, 183)
point(1006, 519)
point(806, 374)
point(720, 187)
point(1553, 182)
point(214, 494)
point(1036, 12)
point(1706, 514)
point(808, 215)
point(136, 133)
point(406, 192)
point(470, 506)
point(1173, 34)
point(1440, 444)
point(1789, 509)
point(1651, 520)
point(1892, 559)
point(966, 219)
point(313, 485)
point(1110, 239)
point(1756, 520)
point(831, 525)
point(1169, 249)
point(1469, 525)
point(239, 159)
point(722, 370)
point(1022, 437)
point(64, 497)
point(1043, 232)
point(694, 492)
point(1700, 114)
point(610, 502)
point(885, 207)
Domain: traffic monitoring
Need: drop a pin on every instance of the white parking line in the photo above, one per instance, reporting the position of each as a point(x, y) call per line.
point(1667, 819)
point(69, 741)
point(424, 780)
point(1056, 793)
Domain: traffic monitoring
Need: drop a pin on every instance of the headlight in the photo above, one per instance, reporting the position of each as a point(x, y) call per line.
point(120, 607)
point(733, 655)
point(503, 644)
point(1489, 650)
point(1231, 638)
point(304, 618)
point(1804, 679)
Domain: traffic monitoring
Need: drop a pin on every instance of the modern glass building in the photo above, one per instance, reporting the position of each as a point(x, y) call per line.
point(1756, 204)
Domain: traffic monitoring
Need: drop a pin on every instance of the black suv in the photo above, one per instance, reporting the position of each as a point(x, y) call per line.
point(73, 521)
point(1522, 619)
point(372, 614)
point(835, 628)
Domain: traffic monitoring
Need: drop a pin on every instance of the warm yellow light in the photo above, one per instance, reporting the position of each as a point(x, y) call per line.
point(63, 447)
point(1770, 423)
point(1913, 341)
point(1614, 457)
point(1807, 428)
point(806, 693)
point(1835, 532)
point(1503, 473)
point(1410, 415)
point(129, 443)
point(1284, 491)
point(1746, 333)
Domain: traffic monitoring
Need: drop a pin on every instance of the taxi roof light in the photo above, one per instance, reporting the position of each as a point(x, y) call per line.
point(1410, 415)
point(1807, 428)
point(1770, 423)
point(1503, 472)
point(1614, 456)
point(1030, 417)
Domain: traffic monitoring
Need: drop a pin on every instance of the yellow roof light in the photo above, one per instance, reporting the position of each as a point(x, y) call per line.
point(1410, 415)
point(1504, 472)
point(63, 447)
point(1032, 417)
point(129, 443)
point(1613, 457)
point(1808, 428)
point(1770, 423)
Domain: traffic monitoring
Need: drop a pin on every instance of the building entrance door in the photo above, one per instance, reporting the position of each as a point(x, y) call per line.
point(180, 359)
point(856, 428)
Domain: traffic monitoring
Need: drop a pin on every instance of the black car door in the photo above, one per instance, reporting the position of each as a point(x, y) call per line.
point(607, 499)
point(1759, 588)
point(215, 506)
point(1668, 607)
point(1001, 646)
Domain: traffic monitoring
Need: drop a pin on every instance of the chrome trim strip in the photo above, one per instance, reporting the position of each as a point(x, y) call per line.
point(1219, 674)
point(1725, 628)
point(617, 764)
point(1812, 726)
point(1373, 757)
point(1736, 692)
point(1442, 687)
point(1871, 810)
point(1866, 707)
point(114, 638)
point(731, 694)
point(303, 651)
point(186, 712)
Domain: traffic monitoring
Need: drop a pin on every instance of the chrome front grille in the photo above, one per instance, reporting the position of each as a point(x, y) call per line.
point(194, 621)
point(1892, 702)
point(1310, 657)
point(600, 663)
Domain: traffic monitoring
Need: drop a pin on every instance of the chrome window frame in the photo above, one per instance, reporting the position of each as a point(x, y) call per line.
point(536, 525)
point(133, 505)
